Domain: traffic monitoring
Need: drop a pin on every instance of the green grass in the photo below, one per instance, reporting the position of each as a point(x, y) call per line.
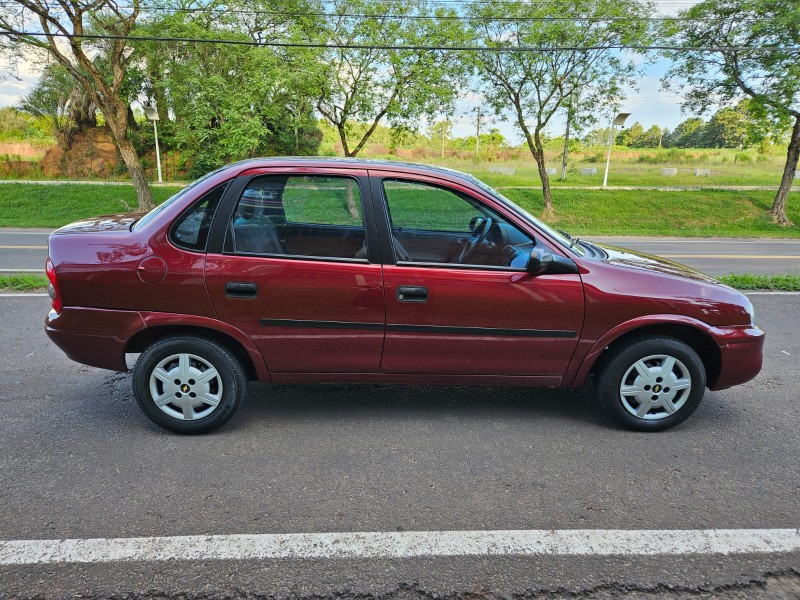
point(34, 205)
point(692, 213)
point(784, 283)
point(698, 213)
point(632, 167)
point(22, 282)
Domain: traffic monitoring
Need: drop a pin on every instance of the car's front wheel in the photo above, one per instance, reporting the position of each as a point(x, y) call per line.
point(188, 384)
point(652, 384)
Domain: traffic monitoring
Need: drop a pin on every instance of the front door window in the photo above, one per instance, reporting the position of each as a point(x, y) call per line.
point(431, 224)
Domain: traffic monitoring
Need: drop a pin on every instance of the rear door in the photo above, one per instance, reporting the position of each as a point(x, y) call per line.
point(299, 270)
point(456, 310)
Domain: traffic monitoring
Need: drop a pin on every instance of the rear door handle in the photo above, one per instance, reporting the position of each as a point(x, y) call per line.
point(412, 293)
point(241, 289)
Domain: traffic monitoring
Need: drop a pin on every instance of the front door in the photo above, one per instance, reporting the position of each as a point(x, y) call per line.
point(296, 276)
point(458, 300)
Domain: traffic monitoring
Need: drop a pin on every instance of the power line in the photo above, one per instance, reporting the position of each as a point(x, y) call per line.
point(412, 17)
point(501, 49)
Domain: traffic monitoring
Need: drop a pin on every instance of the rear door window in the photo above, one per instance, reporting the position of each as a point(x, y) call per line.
point(316, 216)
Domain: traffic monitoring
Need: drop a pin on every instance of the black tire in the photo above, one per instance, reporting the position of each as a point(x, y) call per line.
point(648, 396)
point(227, 385)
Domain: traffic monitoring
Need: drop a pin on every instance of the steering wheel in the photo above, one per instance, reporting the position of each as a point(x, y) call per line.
point(476, 239)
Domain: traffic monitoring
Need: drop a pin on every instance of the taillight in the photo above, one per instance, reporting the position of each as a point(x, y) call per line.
point(52, 289)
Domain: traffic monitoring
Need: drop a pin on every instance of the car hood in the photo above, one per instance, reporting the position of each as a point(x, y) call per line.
point(106, 223)
point(648, 262)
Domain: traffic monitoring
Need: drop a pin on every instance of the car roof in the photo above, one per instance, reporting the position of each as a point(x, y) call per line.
point(354, 163)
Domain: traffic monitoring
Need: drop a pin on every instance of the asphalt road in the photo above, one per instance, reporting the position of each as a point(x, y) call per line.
point(27, 249)
point(78, 460)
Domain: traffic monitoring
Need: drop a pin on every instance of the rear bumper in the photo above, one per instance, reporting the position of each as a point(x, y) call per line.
point(741, 353)
point(92, 336)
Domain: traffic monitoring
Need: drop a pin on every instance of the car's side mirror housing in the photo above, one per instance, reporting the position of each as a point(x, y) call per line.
point(542, 261)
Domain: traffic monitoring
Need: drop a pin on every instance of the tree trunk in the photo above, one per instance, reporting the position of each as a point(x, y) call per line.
point(343, 138)
point(351, 201)
point(131, 160)
point(778, 210)
point(537, 149)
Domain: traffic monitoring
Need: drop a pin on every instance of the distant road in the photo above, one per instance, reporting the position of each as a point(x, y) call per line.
point(719, 256)
point(26, 249)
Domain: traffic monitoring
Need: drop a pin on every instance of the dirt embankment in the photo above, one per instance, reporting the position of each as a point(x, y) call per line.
point(92, 154)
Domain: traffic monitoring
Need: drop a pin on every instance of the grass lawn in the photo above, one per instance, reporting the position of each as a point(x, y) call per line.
point(650, 212)
point(582, 212)
point(33, 205)
point(22, 282)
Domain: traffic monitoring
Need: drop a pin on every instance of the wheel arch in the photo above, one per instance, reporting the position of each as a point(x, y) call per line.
point(248, 355)
point(697, 338)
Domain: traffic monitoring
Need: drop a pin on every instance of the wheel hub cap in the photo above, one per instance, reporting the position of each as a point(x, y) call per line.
point(655, 387)
point(186, 387)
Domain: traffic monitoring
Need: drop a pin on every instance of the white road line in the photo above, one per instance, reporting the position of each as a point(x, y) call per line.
point(406, 544)
point(22, 295)
point(34, 271)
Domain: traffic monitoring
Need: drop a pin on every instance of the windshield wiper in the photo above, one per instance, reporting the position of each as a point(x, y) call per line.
point(575, 240)
point(564, 233)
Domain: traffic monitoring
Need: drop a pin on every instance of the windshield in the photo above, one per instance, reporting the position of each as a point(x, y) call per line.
point(569, 243)
point(149, 216)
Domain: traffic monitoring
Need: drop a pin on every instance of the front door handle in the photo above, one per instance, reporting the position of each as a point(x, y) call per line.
point(241, 289)
point(412, 293)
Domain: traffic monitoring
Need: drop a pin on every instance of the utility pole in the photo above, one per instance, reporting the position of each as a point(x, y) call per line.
point(478, 132)
point(566, 145)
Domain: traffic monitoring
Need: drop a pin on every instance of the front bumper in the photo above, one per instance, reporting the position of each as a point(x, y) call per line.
point(93, 336)
point(741, 355)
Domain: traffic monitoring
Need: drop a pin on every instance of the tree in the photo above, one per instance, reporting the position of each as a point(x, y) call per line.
point(441, 131)
point(686, 135)
point(59, 22)
point(651, 138)
point(536, 85)
point(370, 84)
point(597, 137)
point(632, 136)
point(61, 103)
point(268, 111)
point(738, 127)
point(757, 58)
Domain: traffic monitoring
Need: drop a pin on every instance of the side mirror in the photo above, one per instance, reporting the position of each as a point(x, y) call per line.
point(542, 261)
point(539, 261)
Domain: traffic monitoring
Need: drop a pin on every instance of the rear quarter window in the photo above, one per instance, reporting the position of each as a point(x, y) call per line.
point(190, 230)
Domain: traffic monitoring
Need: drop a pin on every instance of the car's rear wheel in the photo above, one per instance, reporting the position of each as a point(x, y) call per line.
point(652, 384)
point(188, 384)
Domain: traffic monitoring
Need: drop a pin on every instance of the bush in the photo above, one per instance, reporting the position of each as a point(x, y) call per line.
point(743, 157)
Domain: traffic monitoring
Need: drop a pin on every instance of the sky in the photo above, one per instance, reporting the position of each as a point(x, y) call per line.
point(649, 104)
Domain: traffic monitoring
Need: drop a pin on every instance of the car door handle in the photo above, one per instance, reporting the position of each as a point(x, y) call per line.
point(412, 293)
point(238, 289)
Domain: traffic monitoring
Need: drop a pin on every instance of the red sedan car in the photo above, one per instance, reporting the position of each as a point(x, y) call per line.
point(325, 270)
